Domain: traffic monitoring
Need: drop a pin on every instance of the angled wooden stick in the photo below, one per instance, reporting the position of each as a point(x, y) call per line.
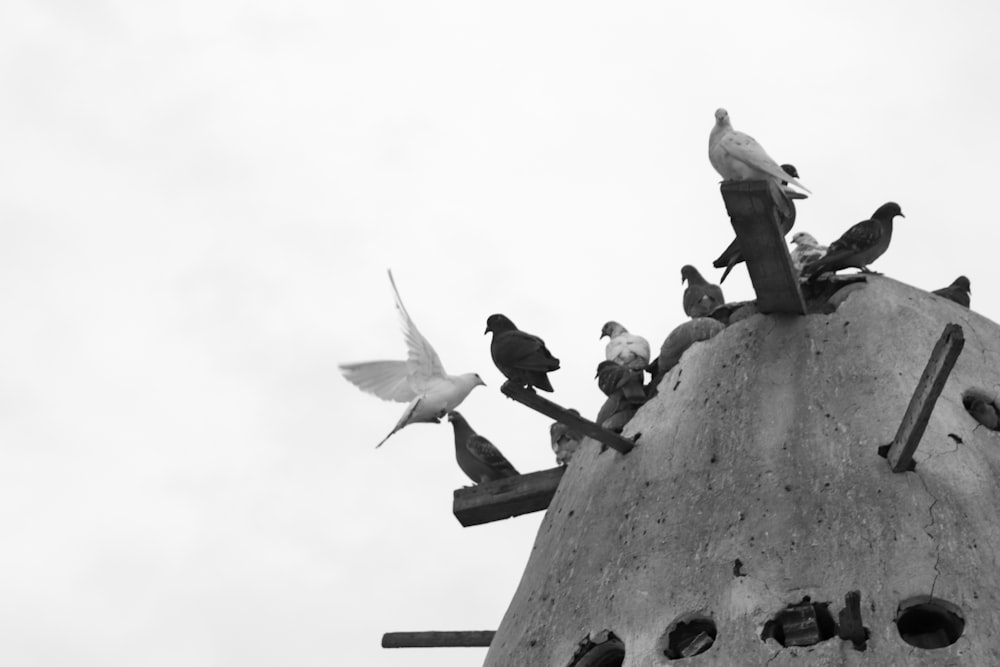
point(528, 397)
point(436, 639)
point(911, 429)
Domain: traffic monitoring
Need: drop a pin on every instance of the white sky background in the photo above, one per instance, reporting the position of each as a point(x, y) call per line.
point(199, 201)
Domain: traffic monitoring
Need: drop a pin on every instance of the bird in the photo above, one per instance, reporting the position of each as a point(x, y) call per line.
point(700, 298)
point(807, 249)
point(623, 347)
point(476, 456)
point(733, 255)
point(420, 380)
point(613, 377)
point(738, 156)
point(565, 441)
point(958, 291)
point(983, 411)
point(860, 245)
point(520, 356)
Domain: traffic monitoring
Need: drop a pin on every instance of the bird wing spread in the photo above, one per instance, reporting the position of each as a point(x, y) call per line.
point(389, 380)
point(424, 363)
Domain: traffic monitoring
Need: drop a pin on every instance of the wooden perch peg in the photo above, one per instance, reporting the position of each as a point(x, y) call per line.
point(911, 429)
point(507, 497)
point(526, 396)
point(757, 210)
point(437, 639)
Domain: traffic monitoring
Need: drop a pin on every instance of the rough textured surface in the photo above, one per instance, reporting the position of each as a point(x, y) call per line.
point(761, 446)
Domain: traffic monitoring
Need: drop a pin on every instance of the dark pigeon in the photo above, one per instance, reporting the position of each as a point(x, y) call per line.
point(700, 298)
point(958, 291)
point(476, 456)
point(860, 245)
point(522, 357)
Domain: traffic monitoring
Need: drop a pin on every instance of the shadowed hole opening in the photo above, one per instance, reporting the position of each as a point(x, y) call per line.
point(689, 635)
point(607, 653)
point(929, 622)
point(802, 624)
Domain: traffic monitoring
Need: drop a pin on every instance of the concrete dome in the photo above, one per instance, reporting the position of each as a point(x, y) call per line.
point(756, 485)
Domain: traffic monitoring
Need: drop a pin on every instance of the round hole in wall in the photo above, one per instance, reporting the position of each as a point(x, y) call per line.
point(927, 622)
point(608, 651)
point(688, 635)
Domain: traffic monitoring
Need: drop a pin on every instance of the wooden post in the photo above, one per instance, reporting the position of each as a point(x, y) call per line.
point(507, 497)
point(437, 639)
point(911, 429)
point(756, 209)
point(537, 403)
point(850, 627)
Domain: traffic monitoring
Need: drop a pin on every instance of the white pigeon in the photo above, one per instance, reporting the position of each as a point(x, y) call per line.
point(807, 250)
point(624, 348)
point(738, 156)
point(420, 379)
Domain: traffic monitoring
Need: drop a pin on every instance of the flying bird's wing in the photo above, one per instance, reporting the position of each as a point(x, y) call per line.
point(424, 363)
point(389, 380)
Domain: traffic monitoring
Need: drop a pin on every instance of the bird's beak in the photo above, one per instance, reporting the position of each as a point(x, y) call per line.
point(901, 214)
point(487, 331)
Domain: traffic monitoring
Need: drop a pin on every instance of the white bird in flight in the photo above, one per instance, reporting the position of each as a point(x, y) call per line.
point(738, 156)
point(421, 379)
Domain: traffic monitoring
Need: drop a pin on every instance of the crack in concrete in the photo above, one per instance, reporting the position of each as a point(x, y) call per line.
point(927, 527)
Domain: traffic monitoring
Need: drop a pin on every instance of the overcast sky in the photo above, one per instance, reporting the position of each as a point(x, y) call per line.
point(199, 201)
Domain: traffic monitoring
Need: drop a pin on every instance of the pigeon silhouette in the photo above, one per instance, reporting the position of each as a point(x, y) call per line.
point(700, 298)
point(738, 156)
point(476, 456)
point(860, 245)
point(420, 380)
point(958, 291)
point(520, 356)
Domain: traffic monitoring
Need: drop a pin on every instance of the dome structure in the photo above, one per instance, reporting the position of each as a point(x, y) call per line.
point(755, 521)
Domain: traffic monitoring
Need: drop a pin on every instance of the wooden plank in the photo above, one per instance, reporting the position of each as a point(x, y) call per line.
point(437, 639)
point(756, 209)
point(507, 497)
point(918, 412)
point(528, 397)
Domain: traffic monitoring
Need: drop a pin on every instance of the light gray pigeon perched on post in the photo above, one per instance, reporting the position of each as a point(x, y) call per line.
point(625, 348)
point(476, 456)
point(860, 245)
point(421, 379)
point(738, 156)
point(700, 298)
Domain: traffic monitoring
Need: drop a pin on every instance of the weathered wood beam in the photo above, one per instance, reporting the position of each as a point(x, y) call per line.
point(918, 412)
point(528, 397)
point(507, 497)
point(756, 210)
point(437, 639)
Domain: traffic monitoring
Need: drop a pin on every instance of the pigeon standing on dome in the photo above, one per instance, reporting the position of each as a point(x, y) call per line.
point(700, 297)
point(860, 245)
